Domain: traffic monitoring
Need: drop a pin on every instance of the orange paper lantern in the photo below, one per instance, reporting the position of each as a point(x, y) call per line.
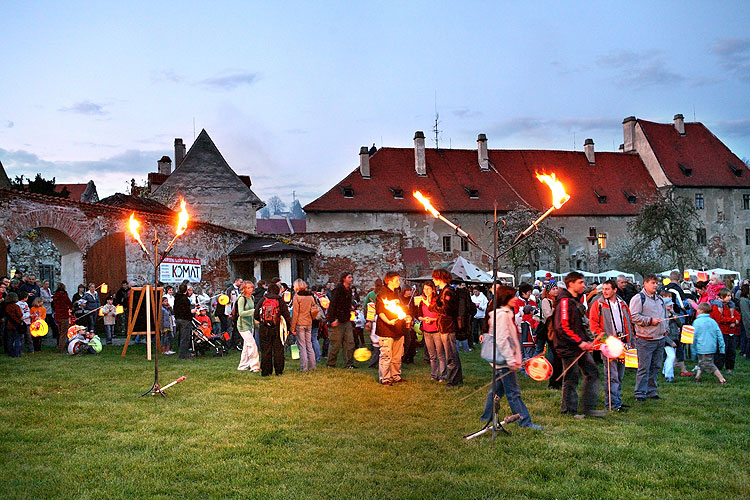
point(362, 354)
point(686, 276)
point(325, 302)
point(223, 299)
point(105, 288)
point(631, 358)
point(38, 328)
point(539, 368)
point(74, 330)
point(371, 311)
point(687, 335)
point(101, 312)
point(119, 309)
point(287, 296)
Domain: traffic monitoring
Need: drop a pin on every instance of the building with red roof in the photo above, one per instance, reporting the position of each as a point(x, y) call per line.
point(607, 189)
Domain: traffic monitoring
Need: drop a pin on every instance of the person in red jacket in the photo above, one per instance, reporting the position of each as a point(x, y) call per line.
point(727, 316)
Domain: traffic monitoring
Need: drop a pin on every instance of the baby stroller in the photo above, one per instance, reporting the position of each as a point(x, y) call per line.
point(203, 343)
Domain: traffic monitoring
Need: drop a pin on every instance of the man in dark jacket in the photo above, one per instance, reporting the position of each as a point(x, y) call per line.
point(340, 330)
point(446, 306)
point(390, 330)
point(271, 347)
point(571, 341)
point(183, 317)
point(121, 299)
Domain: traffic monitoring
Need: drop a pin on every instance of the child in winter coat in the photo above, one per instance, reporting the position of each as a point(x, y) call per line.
point(109, 314)
point(707, 337)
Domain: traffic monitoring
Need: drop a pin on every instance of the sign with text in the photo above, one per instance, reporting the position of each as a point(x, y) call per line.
point(178, 269)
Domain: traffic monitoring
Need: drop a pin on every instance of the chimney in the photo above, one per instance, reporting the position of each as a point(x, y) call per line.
point(483, 155)
point(588, 148)
point(179, 152)
point(628, 132)
point(679, 124)
point(164, 165)
point(364, 162)
point(420, 164)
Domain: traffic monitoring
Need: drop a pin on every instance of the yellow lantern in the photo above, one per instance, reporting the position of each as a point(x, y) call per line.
point(105, 288)
point(353, 316)
point(371, 311)
point(539, 368)
point(119, 309)
point(101, 312)
point(631, 358)
point(287, 296)
point(38, 328)
point(418, 300)
point(686, 276)
point(362, 354)
point(687, 335)
point(666, 281)
point(325, 302)
point(223, 299)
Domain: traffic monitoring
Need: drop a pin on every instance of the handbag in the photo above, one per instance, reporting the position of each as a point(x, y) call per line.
point(490, 349)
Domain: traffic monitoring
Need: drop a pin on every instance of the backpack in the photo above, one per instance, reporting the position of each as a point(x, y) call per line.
point(235, 314)
point(269, 312)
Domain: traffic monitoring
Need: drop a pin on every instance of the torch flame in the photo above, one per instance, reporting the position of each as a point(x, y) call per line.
point(559, 196)
point(184, 217)
point(392, 306)
point(427, 205)
point(134, 225)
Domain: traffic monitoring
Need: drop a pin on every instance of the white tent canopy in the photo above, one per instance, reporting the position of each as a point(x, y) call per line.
point(506, 277)
point(614, 274)
point(541, 274)
point(464, 270)
point(723, 272)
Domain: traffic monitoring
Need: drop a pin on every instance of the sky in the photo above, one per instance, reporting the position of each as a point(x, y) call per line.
point(290, 91)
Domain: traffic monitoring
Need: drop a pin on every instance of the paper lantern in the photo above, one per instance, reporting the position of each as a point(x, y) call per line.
point(666, 281)
point(38, 328)
point(539, 368)
point(686, 276)
point(612, 348)
point(105, 288)
point(417, 327)
point(74, 330)
point(702, 276)
point(418, 300)
point(352, 316)
point(687, 335)
point(631, 358)
point(362, 354)
point(75, 346)
point(325, 302)
point(101, 312)
point(223, 299)
point(295, 351)
point(287, 296)
point(119, 310)
point(371, 311)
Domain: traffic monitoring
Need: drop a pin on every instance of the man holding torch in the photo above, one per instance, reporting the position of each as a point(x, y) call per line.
point(391, 323)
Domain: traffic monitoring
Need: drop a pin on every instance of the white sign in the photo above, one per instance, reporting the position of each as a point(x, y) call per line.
point(178, 269)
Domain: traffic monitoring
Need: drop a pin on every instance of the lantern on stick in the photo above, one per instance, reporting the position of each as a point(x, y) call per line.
point(119, 309)
point(223, 299)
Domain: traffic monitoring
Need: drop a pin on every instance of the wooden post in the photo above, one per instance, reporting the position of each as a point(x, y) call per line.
point(148, 322)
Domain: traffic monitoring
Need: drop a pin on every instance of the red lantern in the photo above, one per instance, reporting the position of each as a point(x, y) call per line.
point(538, 368)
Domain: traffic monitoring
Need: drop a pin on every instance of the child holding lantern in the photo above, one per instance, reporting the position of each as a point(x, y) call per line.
point(36, 313)
point(109, 315)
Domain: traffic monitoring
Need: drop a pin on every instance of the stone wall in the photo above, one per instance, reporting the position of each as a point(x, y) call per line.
point(31, 250)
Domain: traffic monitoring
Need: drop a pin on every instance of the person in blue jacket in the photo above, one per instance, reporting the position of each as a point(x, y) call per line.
point(707, 336)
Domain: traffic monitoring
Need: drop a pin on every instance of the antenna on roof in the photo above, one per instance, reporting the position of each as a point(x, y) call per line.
point(574, 141)
point(193, 129)
point(694, 113)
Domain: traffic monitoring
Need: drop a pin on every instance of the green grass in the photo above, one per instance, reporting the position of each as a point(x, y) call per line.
point(76, 428)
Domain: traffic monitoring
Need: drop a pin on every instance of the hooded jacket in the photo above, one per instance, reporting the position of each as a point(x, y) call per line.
point(568, 325)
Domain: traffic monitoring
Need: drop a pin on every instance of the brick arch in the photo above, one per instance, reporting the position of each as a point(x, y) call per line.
point(71, 223)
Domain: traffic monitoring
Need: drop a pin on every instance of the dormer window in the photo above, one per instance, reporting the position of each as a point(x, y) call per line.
point(687, 171)
point(473, 193)
point(347, 191)
point(602, 198)
point(736, 171)
point(630, 197)
point(398, 194)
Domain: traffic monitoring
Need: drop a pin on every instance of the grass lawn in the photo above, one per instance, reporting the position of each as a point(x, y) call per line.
point(76, 428)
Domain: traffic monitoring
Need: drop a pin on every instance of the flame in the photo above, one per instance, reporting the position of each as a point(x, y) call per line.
point(392, 306)
point(184, 217)
point(426, 202)
point(134, 225)
point(559, 196)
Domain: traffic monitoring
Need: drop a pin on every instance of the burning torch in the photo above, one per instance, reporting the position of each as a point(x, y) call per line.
point(559, 198)
point(428, 206)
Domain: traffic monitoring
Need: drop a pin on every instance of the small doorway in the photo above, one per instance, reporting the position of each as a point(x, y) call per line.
point(269, 269)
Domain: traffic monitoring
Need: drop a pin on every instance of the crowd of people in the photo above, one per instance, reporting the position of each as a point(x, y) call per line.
point(564, 322)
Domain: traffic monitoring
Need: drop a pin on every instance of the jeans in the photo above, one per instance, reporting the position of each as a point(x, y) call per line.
point(650, 354)
point(587, 367)
point(434, 348)
point(185, 332)
point(306, 352)
point(166, 339)
point(668, 369)
point(110, 330)
point(476, 329)
point(507, 385)
point(15, 342)
point(730, 353)
point(453, 374)
point(342, 334)
point(315, 344)
point(612, 390)
point(391, 351)
point(462, 345)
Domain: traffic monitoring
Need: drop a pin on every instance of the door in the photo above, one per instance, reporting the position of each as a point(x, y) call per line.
point(105, 262)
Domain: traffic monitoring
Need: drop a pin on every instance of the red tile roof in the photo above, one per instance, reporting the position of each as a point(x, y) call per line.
point(280, 226)
point(700, 152)
point(450, 173)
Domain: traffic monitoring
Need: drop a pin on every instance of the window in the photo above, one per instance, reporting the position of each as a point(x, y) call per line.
point(398, 194)
point(562, 230)
point(746, 202)
point(601, 197)
point(348, 192)
point(446, 243)
point(464, 245)
point(602, 239)
point(747, 236)
point(736, 171)
point(592, 231)
point(699, 201)
point(473, 193)
point(687, 171)
point(630, 197)
point(701, 236)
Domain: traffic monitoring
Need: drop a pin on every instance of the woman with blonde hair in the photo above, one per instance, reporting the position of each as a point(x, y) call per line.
point(249, 359)
point(302, 320)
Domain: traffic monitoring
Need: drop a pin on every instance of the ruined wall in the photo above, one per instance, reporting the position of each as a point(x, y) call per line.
point(31, 250)
point(366, 254)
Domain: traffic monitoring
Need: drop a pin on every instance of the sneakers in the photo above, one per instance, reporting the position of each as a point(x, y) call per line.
point(687, 374)
point(533, 426)
point(386, 383)
point(640, 399)
point(655, 396)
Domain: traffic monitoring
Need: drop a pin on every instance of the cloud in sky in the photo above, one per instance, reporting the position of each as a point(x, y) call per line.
point(166, 75)
point(85, 108)
point(647, 68)
point(230, 81)
point(7, 124)
point(734, 56)
point(539, 127)
point(733, 128)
